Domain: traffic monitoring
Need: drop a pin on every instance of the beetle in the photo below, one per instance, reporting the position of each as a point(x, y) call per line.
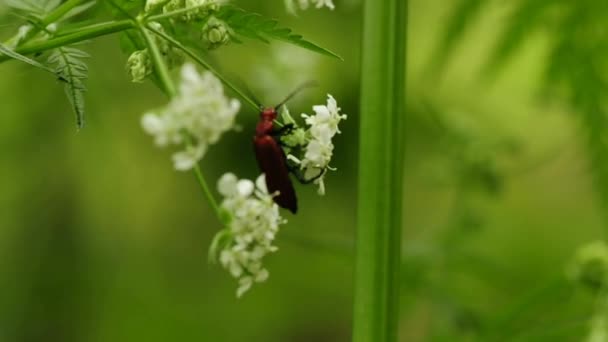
point(271, 157)
point(273, 162)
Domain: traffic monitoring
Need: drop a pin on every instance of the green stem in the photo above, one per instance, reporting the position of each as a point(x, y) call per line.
point(88, 32)
point(162, 71)
point(206, 191)
point(60, 11)
point(175, 13)
point(205, 65)
point(50, 18)
point(165, 79)
point(85, 33)
point(376, 303)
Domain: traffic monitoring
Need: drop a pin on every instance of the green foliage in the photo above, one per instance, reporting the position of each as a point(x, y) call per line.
point(464, 12)
point(9, 52)
point(37, 8)
point(68, 62)
point(575, 64)
point(255, 26)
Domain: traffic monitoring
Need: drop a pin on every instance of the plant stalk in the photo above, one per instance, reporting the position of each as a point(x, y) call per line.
point(378, 249)
point(86, 33)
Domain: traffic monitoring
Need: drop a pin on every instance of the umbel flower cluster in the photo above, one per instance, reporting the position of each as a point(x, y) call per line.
point(201, 113)
point(196, 119)
point(293, 5)
point(315, 144)
point(252, 220)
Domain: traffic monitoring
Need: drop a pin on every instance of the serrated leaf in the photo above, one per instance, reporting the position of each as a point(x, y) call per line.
point(255, 26)
point(68, 63)
point(14, 55)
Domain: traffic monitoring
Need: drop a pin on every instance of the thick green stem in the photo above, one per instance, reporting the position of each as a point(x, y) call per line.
point(376, 307)
point(85, 33)
point(50, 18)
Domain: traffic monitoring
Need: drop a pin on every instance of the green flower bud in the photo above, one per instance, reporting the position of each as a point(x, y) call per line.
point(152, 4)
point(139, 65)
point(297, 137)
point(215, 33)
point(204, 8)
point(590, 266)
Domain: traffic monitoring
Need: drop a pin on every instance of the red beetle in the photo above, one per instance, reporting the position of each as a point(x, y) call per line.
point(272, 161)
point(271, 157)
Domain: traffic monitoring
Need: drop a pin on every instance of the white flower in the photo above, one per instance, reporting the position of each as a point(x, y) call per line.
point(319, 149)
point(293, 5)
point(200, 112)
point(253, 223)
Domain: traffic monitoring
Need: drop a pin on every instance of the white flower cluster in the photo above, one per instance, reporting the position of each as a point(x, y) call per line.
point(319, 148)
point(200, 113)
point(294, 5)
point(253, 223)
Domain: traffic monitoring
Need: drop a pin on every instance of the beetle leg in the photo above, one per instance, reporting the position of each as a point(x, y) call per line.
point(300, 177)
point(285, 130)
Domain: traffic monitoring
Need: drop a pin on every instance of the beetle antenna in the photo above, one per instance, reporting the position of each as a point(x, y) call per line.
point(305, 85)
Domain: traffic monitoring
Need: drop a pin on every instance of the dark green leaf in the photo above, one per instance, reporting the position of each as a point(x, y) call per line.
point(255, 26)
point(12, 54)
point(68, 63)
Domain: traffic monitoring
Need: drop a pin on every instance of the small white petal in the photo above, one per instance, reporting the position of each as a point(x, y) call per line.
point(260, 183)
point(245, 187)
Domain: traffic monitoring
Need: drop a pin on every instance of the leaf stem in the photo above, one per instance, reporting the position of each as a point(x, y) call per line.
point(175, 13)
point(207, 66)
point(60, 11)
point(165, 79)
point(206, 191)
point(162, 71)
point(378, 249)
point(85, 33)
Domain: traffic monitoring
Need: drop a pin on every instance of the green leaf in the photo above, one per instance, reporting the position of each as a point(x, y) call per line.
point(255, 26)
point(12, 54)
point(68, 63)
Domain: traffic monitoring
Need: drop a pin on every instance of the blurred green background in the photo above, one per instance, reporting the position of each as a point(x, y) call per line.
point(506, 177)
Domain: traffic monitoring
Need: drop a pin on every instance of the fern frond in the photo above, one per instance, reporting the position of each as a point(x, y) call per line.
point(255, 26)
point(68, 62)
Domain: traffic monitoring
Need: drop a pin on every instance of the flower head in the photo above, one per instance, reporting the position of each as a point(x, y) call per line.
point(197, 117)
point(215, 33)
point(139, 65)
point(253, 221)
point(318, 148)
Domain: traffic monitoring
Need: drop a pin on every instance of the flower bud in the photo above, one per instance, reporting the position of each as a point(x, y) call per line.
point(203, 8)
point(590, 266)
point(139, 65)
point(215, 33)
